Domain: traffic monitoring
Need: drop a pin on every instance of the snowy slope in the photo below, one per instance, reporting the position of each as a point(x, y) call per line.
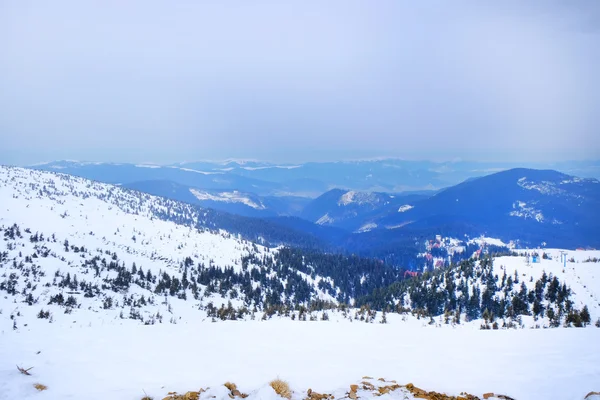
point(107, 248)
point(512, 288)
point(125, 361)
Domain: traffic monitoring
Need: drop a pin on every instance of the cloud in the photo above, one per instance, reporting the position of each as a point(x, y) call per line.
point(143, 80)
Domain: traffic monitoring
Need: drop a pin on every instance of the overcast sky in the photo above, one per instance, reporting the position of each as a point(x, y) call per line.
point(169, 81)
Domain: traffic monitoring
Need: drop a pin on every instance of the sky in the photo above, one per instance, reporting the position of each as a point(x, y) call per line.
point(158, 81)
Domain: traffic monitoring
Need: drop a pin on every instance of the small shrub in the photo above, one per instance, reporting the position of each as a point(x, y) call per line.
point(146, 397)
point(40, 387)
point(230, 386)
point(282, 388)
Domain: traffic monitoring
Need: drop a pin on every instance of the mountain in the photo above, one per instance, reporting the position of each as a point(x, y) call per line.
point(72, 244)
point(383, 174)
point(93, 271)
point(233, 201)
point(117, 173)
point(354, 210)
point(545, 207)
point(310, 179)
point(503, 291)
point(534, 206)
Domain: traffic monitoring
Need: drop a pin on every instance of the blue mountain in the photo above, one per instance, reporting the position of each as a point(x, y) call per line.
point(230, 201)
point(130, 173)
point(534, 206)
point(356, 211)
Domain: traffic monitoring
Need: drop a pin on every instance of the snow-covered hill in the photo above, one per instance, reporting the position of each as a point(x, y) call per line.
point(531, 288)
point(356, 211)
point(69, 244)
point(74, 245)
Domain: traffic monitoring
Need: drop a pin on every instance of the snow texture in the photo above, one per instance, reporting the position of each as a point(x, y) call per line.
point(227, 197)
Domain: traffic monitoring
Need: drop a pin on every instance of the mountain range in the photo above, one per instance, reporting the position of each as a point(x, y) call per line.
point(533, 206)
point(310, 179)
point(74, 247)
point(525, 205)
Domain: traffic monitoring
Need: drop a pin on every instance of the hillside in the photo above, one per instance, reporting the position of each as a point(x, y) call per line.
point(77, 244)
point(532, 206)
point(232, 201)
point(355, 211)
point(503, 291)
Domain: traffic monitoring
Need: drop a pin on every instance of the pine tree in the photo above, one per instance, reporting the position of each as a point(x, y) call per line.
point(585, 316)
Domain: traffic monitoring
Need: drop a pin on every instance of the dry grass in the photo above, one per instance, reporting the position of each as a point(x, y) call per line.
point(230, 386)
point(186, 396)
point(282, 388)
point(233, 390)
point(147, 398)
point(40, 387)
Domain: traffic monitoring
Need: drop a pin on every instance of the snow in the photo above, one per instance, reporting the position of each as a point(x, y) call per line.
point(147, 166)
point(544, 187)
point(581, 276)
point(73, 218)
point(482, 240)
point(347, 198)
point(360, 198)
point(399, 225)
point(101, 218)
point(272, 166)
point(522, 210)
point(227, 197)
point(99, 362)
point(367, 227)
point(197, 171)
point(325, 219)
point(405, 208)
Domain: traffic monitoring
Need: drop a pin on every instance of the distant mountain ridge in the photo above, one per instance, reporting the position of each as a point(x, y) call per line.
point(231, 201)
point(356, 211)
point(309, 179)
point(532, 205)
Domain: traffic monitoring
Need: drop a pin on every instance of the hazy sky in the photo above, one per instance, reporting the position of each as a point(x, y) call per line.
point(169, 81)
